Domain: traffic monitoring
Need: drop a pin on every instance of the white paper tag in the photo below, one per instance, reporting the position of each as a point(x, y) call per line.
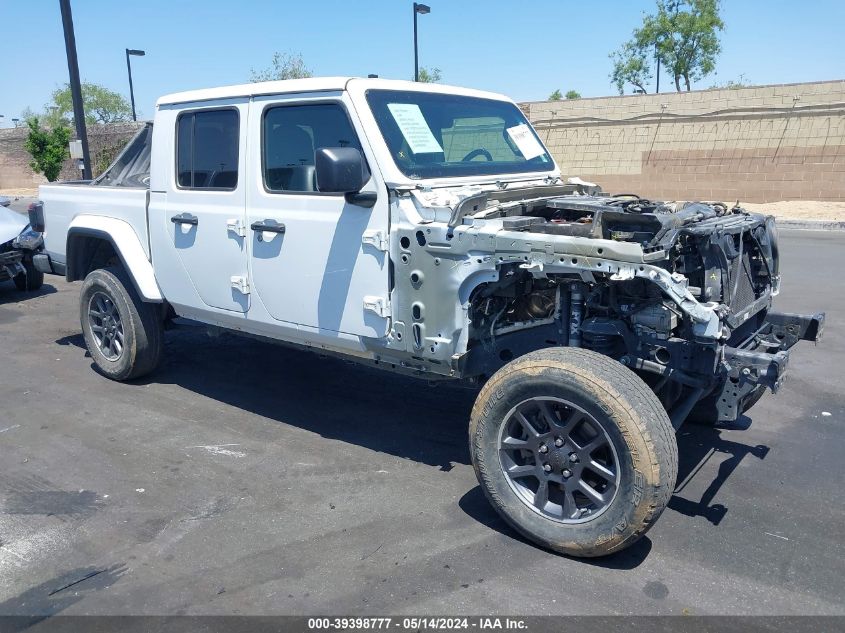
point(411, 122)
point(525, 140)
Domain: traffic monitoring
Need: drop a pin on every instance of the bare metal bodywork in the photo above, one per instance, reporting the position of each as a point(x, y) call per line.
point(689, 341)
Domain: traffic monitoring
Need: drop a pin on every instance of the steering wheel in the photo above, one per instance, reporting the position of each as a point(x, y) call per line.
point(478, 152)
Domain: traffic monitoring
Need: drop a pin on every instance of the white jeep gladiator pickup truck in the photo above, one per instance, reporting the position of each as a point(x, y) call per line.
point(425, 229)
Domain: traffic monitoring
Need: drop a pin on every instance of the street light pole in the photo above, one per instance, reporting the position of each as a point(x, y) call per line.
point(657, 57)
point(137, 53)
point(420, 9)
point(75, 86)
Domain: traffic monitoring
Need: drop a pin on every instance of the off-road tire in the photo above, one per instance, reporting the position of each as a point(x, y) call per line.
point(30, 281)
point(704, 412)
point(143, 330)
point(629, 412)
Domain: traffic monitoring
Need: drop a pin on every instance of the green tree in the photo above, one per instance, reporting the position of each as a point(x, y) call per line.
point(101, 106)
point(630, 66)
point(430, 76)
point(283, 66)
point(555, 96)
point(48, 148)
point(573, 94)
point(683, 35)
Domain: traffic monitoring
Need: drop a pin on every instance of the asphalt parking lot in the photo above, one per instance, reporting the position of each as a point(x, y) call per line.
point(247, 478)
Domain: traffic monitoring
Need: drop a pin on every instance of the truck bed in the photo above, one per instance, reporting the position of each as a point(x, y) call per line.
point(119, 192)
point(65, 202)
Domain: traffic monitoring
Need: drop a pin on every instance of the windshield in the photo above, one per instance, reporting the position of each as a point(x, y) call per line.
point(440, 135)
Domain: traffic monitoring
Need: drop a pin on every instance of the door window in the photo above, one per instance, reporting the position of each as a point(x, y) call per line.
point(207, 149)
point(291, 134)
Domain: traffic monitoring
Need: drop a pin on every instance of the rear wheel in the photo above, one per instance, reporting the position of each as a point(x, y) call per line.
point(31, 280)
point(573, 450)
point(124, 335)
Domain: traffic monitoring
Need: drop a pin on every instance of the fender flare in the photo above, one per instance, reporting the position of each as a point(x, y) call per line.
point(126, 244)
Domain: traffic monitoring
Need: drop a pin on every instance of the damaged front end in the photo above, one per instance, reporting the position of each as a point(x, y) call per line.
point(12, 226)
point(18, 244)
point(758, 362)
point(679, 292)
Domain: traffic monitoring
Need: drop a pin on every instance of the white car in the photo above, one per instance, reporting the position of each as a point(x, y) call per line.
point(18, 244)
point(425, 229)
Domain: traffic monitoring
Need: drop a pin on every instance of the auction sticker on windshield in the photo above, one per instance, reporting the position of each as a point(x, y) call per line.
point(525, 140)
point(411, 122)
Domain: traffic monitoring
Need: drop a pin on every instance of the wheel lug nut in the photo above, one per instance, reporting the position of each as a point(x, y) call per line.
point(547, 468)
point(558, 442)
point(566, 473)
point(573, 457)
point(544, 448)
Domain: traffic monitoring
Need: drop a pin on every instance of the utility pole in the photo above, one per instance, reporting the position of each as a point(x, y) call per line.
point(657, 57)
point(75, 86)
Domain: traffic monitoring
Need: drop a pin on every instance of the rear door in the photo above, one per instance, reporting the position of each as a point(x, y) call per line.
point(323, 264)
point(205, 206)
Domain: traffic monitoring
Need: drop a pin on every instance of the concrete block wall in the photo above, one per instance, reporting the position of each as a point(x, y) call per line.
point(14, 161)
point(757, 144)
point(104, 143)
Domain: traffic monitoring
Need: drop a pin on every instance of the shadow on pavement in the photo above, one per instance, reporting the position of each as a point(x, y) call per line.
point(76, 340)
point(10, 294)
point(475, 505)
point(398, 415)
point(343, 400)
point(56, 595)
point(696, 446)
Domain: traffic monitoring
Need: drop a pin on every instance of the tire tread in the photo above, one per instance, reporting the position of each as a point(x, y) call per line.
point(629, 391)
point(143, 318)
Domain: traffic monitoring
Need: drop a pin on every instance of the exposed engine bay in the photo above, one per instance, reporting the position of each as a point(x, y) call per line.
point(728, 259)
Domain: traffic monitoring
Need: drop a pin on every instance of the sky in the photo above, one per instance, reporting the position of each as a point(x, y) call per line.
point(525, 49)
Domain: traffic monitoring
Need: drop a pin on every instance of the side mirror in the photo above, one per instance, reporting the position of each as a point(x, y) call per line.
point(36, 216)
point(340, 170)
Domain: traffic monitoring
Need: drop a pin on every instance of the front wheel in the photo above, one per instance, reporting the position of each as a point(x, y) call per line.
point(31, 280)
point(124, 335)
point(573, 450)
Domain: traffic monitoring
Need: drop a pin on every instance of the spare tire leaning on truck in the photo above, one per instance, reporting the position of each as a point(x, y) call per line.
point(573, 450)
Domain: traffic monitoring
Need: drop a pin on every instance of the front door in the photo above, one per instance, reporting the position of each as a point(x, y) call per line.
point(316, 260)
point(205, 209)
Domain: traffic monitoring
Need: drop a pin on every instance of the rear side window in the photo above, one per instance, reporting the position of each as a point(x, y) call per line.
point(292, 133)
point(207, 149)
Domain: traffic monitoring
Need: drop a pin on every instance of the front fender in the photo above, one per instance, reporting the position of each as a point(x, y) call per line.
point(126, 244)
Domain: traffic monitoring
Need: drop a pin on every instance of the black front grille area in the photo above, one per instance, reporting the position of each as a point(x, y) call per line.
point(732, 260)
point(747, 279)
point(8, 260)
point(742, 284)
point(10, 257)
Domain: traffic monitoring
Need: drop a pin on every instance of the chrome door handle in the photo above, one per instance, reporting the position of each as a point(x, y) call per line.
point(271, 226)
point(185, 218)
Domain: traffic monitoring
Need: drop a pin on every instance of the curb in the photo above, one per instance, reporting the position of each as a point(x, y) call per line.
point(810, 225)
